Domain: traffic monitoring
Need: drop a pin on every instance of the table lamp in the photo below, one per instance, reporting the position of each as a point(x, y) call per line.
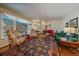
point(72, 30)
point(67, 29)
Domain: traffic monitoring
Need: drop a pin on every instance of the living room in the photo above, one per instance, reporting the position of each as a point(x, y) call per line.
point(51, 25)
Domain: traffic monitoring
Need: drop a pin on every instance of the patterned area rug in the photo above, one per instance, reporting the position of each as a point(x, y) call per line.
point(34, 47)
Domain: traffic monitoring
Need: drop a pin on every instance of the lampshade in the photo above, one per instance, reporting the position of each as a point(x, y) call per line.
point(70, 30)
point(67, 29)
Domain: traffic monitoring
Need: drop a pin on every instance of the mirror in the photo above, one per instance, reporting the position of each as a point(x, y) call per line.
point(74, 22)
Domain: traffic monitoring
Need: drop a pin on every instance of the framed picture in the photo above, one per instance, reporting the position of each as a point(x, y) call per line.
point(74, 22)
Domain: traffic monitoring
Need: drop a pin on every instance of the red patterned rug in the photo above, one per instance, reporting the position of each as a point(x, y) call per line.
point(33, 47)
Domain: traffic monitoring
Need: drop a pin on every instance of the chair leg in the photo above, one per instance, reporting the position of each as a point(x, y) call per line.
point(59, 51)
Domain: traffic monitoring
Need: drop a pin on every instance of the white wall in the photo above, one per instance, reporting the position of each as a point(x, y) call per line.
point(56, 24)
point(0, 26)
point(71, 15)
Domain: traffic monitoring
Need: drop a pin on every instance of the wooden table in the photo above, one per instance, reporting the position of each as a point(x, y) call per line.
point(69, 43)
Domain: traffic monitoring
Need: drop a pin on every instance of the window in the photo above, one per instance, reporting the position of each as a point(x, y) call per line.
point(7, 24)
point(19, 26)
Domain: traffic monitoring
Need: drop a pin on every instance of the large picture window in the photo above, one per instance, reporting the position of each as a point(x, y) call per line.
point(19, 26)
point(8, 23)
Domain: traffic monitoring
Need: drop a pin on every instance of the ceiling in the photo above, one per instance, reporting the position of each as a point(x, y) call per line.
point(42, 10)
